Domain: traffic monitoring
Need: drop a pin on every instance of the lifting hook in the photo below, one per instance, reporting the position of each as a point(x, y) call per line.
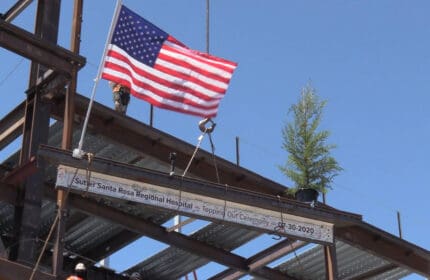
point(203, 128)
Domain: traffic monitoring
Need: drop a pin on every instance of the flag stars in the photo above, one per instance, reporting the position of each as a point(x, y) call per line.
point(139, 38)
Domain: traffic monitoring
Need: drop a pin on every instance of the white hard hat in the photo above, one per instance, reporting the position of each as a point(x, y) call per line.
point(80, 266)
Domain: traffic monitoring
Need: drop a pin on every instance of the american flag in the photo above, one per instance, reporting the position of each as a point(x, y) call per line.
point(162, 71)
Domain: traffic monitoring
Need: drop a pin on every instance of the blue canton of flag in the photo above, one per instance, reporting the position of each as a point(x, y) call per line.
point(138, 37)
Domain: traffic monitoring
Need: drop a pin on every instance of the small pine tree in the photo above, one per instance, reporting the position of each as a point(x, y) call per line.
point(309, 164)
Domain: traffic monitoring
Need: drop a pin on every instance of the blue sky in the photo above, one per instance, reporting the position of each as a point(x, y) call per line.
point(369, 59)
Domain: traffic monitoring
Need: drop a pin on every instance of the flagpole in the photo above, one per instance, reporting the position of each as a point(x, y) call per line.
point(78, 153)
point(207, 26)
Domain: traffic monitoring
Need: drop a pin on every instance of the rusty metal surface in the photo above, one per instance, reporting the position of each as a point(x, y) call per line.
point(91, 232)
point(30, 46)
point(172, 261)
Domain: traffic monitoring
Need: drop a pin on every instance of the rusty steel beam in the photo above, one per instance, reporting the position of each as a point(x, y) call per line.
point(15, 10)
point(66, 143)
point(19, 174)
point(263, 258)
point(148, 140)
point(330, 261)
point(186, 184)
point(11, 271)
point(153, 142)
point(11, 125)
point(173, 238)
point(8, 193)
point(38, 50)
point(35, 132)
point(387, 246)
point(48, 84)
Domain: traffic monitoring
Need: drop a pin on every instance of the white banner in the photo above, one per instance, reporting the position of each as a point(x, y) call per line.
point(195, 204)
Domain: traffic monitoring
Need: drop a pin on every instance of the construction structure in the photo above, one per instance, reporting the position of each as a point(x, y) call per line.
point(56, 209)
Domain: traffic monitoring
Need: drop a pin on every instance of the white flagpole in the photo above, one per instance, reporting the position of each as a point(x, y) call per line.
point(78, 153)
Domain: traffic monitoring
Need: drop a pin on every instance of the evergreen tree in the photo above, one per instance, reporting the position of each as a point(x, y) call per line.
point(309, 164)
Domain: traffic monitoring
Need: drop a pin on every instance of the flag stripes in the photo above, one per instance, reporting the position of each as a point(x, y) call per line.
point(178, 78)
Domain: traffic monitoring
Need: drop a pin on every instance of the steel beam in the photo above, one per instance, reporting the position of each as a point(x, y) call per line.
point(38, 50)
point(330, 260)
point(16, 9)
point(387, 246)
point(153, 142)
point(3, 252)
point(66, 143)
point(233, 194)
point(173, 238)
point(12, 271)
point(112, 245)
point(8, 193)
point(36, 130)
point(263, 258)
point(11, 125)
point(19, 174)
point(374, 272)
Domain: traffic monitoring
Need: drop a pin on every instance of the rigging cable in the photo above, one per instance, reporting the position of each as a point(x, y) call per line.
point(54, 224)
point(11, 72)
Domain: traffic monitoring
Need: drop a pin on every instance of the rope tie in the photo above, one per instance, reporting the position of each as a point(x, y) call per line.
point(281, 225)
point(225, 201)
point(51, 230)
point(90, 158)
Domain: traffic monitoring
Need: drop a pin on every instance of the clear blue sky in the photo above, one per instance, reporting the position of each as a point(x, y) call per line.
point(369, 59)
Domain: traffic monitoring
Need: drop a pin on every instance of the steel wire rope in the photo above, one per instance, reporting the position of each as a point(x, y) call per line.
point(11, 72)
point(199, 142)
point(54, 224)
point(90, 157)
point(51, 230)
point(282, 227)
point(217, 176)
point(198, 145)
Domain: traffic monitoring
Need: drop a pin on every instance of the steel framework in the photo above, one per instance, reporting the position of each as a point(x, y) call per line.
point(30, 203)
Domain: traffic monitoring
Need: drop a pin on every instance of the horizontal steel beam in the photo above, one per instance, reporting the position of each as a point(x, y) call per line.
point(8, 193)
point(230, 193)
point(11, 125)
point(262, 258)
point(12, 271)
point(38, 50)
point(149, 141)
point(387, 246)
point(19, 174)
point(173, 238)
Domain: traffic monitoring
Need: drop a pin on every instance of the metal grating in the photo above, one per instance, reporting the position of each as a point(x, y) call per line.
point(352, 262)
point(172, 263)
point(88, 233)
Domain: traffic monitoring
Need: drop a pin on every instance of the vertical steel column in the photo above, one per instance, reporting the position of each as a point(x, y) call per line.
point(399, 224)
point(237, 152)
point(330, 262)
point(35, 132)
point(69, 112)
